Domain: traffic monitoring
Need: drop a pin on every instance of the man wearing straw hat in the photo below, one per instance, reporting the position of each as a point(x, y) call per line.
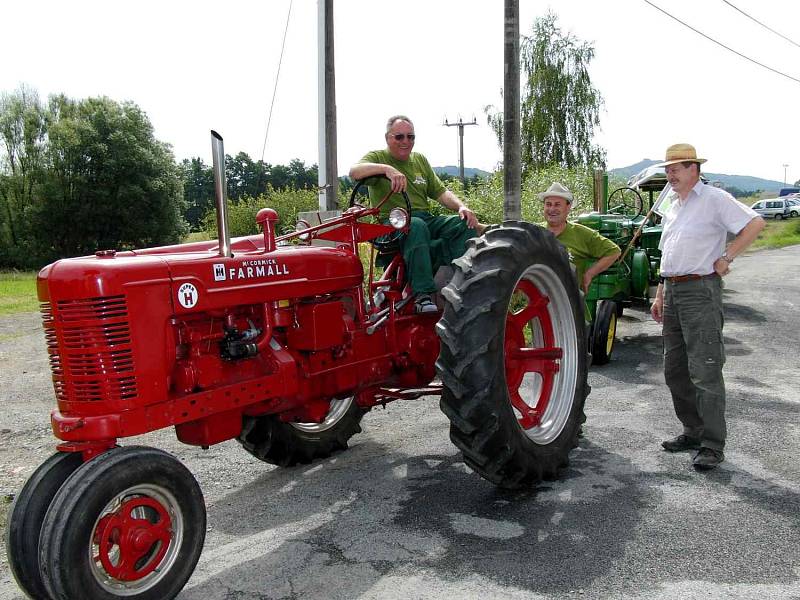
point(688, 300)
point(584, 243)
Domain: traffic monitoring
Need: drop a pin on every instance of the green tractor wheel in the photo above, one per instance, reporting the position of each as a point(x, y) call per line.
point(640, 274)
point(603, 331)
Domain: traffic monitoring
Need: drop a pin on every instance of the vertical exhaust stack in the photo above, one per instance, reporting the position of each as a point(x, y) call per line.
point(220, 193)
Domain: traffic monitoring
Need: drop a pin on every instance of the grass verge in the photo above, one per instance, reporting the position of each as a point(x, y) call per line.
point(18, 292)
point(196, 236)
point(778, 234)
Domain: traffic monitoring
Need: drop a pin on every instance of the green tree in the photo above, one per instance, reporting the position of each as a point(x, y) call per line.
point(303, 178)
point(244, 177)
point(110, 183)
point(559, 107)
point(198, 190)
point(23, 135)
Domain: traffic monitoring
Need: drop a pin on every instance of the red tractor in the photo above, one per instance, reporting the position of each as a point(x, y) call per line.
point(283, 344)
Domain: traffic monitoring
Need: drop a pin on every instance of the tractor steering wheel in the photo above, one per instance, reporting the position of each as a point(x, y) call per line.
point(361, 182)
point(625, 201)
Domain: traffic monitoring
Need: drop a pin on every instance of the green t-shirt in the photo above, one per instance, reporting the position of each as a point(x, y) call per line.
point(423, 183)
point(585, 245)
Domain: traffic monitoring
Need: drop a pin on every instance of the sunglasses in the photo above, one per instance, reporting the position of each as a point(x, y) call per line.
point(401, 136)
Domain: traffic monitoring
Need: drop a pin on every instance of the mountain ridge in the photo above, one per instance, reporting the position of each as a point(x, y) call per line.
point(745, 183)
point(468, 171)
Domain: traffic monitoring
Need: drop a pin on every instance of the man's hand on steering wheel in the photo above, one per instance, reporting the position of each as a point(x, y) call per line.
point(396, 179)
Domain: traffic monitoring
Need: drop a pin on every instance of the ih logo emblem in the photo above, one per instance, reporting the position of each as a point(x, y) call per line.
point(219, 272)
point(187, 295)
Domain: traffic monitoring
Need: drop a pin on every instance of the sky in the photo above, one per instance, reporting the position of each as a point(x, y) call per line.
point(196, 66)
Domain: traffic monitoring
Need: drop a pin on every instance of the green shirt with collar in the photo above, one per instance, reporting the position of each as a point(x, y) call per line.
point(585, 245)
point(423, 183)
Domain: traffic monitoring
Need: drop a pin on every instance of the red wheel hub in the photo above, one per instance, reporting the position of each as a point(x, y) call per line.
point(130, 546)
point(523, 357)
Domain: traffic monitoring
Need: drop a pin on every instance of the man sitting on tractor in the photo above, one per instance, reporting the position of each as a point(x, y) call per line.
point(432, 241)
point(584, 244)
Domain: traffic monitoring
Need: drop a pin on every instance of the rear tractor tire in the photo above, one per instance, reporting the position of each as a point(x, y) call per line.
point(513, 355)
point(288, 444)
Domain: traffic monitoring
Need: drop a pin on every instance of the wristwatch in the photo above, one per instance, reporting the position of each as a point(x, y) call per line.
point(726, 258)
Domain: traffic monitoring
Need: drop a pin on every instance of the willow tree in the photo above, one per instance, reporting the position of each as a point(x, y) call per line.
point(23, 136)
point(559, 106)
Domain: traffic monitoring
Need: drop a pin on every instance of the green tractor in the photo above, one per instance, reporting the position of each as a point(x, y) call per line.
point(628, 217)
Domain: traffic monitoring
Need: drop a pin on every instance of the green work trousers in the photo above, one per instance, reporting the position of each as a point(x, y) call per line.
point(694, 356)
point(431, 243)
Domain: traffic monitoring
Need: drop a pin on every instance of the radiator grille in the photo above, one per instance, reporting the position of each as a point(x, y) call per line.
point(89, 344)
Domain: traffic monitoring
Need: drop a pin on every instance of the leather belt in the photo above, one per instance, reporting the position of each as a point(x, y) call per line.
point(692, 277)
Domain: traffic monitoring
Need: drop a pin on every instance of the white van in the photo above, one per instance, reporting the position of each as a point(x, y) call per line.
point(777, 208)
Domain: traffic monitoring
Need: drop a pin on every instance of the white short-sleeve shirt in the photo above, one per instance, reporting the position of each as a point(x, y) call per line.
point(695, 230)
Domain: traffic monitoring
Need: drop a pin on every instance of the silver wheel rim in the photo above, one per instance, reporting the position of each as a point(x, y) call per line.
point(165, 498)
point(562, 395)
point(337, 411)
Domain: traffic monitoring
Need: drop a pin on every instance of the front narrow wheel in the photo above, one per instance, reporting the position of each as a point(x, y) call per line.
point(604, 331)
point(27, 515)
point(129, 523)
point(513, 357)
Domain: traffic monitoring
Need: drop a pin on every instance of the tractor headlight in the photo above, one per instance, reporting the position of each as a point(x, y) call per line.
point(302, 225)
point(398, 218)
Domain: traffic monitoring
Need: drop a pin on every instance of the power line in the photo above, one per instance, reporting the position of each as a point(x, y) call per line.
point(791, 41)
point(721, 44)
point(277, 75)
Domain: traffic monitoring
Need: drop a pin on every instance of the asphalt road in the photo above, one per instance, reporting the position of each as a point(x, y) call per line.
point(399, 515)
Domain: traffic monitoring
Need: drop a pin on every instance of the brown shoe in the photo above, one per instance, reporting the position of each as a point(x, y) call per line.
point(708, 458)
point(681, 443)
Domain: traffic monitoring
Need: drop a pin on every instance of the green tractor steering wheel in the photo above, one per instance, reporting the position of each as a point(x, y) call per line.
point(625, 201)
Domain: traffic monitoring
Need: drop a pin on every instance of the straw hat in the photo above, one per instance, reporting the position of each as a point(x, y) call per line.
point(681, 153)
point(557, 190)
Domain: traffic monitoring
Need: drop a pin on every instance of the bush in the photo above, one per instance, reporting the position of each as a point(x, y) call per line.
point(486, 197)
point(242, 215)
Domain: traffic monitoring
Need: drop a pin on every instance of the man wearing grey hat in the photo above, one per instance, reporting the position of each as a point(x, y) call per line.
point(584, 244)
point(688, 302)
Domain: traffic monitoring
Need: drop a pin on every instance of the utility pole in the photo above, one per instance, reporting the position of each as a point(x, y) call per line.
point(460, 126)
point(512, 179)
point(785, 166)
point(328, 177)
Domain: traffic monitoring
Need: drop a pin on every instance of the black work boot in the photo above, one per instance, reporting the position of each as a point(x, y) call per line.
point(681, 443)
point(424, 304)
point(708, 458)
